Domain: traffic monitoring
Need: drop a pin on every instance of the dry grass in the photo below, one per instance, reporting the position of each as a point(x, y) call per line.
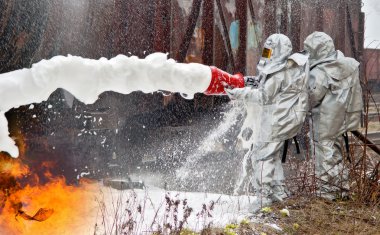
point(310, 216)
point(318, 216)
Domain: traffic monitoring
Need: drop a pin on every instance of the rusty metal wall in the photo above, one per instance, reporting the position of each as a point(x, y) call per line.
point(243, 25)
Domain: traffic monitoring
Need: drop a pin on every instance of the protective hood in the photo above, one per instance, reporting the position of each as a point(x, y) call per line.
point(341, 68)
point(320, 47)
point(277, 49)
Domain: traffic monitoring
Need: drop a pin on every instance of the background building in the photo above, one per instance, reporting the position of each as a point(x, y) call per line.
point(372, 68)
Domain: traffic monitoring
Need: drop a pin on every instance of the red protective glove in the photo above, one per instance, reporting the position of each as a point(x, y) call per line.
point(220, 79)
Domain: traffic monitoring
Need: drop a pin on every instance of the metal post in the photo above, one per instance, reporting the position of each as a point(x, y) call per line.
point(162, 26)
point(284, 17)
point(295, 27)
point(226, 36)
point(269, 18)
point(208, 27)
point(193, 18)
point(319, 16)
point(241, 14)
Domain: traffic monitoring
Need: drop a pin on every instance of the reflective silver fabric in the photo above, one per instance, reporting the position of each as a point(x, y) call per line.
point(282, 99)
point(336, 100)
point(335, 92)
point(320, 47)
point(276, 111)
point(329, 168)
point(265, 175)
point(281, 47)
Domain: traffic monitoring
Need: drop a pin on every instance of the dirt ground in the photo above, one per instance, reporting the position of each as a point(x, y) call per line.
point(307, 216)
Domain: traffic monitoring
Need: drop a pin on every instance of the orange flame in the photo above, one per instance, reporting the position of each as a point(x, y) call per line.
point(58, 208)
point(12, 167)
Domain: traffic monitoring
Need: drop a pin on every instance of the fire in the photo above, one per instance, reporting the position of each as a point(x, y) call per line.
point(28, 207)
point(12, 167)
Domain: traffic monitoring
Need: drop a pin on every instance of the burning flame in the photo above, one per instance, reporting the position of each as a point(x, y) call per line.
point(29, 207)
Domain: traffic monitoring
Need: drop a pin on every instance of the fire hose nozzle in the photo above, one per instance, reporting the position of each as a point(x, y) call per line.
point(219, 78)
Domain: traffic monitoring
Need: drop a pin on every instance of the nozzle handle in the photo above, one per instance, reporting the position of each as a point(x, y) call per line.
point(220, 78)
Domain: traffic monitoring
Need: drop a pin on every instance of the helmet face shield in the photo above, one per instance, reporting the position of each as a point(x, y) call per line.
point(267, 53)
point(277, 48)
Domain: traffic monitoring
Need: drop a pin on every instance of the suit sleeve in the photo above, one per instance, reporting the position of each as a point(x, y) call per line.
point(318, 87)
point(264, 94)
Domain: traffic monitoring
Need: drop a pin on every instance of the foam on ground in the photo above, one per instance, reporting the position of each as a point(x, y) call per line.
point(156, 211)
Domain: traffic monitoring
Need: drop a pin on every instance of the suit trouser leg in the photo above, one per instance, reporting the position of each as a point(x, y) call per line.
point(268, 175)
point(329, 168)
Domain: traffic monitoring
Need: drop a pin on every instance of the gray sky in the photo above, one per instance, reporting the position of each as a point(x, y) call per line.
point(372, 23)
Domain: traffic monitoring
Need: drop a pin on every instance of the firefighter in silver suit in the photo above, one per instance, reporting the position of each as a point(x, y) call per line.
point(276, 110)
point(336, 106)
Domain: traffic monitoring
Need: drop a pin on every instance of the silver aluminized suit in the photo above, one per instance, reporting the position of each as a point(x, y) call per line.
point(276, 110)
point(336, 102)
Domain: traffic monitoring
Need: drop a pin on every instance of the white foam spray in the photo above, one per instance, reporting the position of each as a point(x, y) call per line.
point(209, 143)
point(86, 79)
point(251, 128)
point(249, 132)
